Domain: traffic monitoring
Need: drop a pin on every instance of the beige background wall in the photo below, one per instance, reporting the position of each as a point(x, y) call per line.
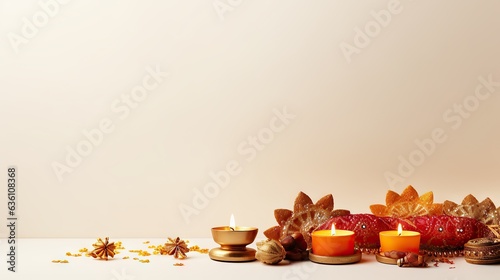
point(336, 94)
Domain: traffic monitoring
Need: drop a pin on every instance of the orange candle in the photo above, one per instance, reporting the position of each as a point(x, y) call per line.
point(400, 240)
point(333, 242)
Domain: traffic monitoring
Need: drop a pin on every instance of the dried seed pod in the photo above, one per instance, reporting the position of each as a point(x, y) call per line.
point(395, 254)
point(295, 246)
point(300, 242)
point(270, 251)
point(412, 260)
point(297, 255)
point(288, 242)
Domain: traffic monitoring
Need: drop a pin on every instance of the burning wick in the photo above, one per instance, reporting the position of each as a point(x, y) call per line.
point(232, 223)
point(400, 229)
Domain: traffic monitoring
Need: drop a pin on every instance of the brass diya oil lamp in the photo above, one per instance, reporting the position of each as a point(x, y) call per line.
point(233, 241)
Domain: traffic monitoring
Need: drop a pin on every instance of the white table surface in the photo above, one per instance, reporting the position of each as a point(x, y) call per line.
point(35, 262)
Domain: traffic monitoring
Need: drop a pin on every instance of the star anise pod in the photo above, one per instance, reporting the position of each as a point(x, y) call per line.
point(176, 247)
point(103, 249)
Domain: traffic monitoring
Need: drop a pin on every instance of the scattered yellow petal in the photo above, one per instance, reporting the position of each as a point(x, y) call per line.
point(178, 264)
point(157, 250)
point(126, 257)
point(197, 248)
point(144, 261)
point(135, 259)
point(118, 245)
point(83, 250)
point(145, 242)
point(73, 255)
point(64, 261)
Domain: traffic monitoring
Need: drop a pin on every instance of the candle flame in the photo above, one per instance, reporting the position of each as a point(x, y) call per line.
point(400, 229)
point(232, 224)
point(333, 229)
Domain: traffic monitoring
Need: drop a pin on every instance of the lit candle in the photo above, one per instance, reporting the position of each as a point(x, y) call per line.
point(400, 240)
point(234, 233)
point(333, 242)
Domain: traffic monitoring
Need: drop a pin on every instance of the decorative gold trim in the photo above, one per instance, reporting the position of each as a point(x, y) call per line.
point(354, 258)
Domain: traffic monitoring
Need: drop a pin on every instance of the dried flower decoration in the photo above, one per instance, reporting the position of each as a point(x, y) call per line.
point(305, 217)
point(176, 247)
point(484, 211)
point(408, 204)
point(103, 249)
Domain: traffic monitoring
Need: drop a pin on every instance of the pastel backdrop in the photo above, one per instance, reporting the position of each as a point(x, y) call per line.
point(161, 118)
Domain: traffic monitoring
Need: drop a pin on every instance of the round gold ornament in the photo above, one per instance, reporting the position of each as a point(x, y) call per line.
point(482, 251)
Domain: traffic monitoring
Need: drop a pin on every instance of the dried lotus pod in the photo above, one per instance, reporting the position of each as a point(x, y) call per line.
point(270, 251)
